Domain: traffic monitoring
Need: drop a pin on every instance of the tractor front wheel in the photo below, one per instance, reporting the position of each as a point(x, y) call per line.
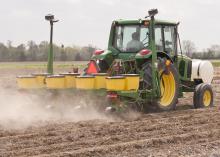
point(203, 96)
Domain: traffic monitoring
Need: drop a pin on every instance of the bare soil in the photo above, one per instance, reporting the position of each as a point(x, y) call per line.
point(184, 132)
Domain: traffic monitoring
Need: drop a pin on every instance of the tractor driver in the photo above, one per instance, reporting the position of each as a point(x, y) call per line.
point(135, 44)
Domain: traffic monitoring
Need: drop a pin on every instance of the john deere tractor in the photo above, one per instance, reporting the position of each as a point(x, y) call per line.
point(141, 66)
point(148, 48)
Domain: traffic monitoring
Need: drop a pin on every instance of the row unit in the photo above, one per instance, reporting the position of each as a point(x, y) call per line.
point(74, 80)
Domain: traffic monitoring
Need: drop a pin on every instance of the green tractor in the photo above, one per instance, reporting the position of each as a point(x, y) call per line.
point(149, 48)
point(141, 66)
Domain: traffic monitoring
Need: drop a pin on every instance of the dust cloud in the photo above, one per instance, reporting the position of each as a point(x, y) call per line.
point(19, 109)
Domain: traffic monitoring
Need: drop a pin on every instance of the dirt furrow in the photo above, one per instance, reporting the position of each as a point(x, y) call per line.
point(163, 131)
point(133, 125)
point(130, 146)
point(184, 132)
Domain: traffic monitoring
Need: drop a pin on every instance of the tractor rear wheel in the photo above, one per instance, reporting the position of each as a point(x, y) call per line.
point(169, 84)
point(203, 96)
point(169, 87)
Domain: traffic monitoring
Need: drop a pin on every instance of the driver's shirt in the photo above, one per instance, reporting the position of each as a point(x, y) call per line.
point(135, 45)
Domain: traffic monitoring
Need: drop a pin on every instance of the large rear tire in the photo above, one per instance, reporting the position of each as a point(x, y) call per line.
point(169, 84)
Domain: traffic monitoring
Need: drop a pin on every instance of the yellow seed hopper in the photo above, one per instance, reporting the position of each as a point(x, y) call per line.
point(100, 80)
point(131, 81)
point(27, 82)
point(55, 82)
point(115, 83)
point(85, 82)
point(41, 79)
point(70, 79)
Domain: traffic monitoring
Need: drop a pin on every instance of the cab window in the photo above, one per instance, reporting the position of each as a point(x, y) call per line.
point(169, 39)
point(131, 38)
point(158, 38)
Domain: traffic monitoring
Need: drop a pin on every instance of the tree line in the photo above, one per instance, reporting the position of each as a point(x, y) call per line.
point(189, 49)
point(38, 52)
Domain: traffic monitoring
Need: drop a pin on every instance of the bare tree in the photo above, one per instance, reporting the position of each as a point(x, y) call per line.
point(188, 47)
point(9, 43)
point(4, 52)
point(33, 49)
point(214, 51)
point(20, 53)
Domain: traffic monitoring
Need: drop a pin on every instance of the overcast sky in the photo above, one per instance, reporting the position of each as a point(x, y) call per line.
point(84, 22)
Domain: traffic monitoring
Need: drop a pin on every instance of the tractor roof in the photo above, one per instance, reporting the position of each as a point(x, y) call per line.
point(121, 21)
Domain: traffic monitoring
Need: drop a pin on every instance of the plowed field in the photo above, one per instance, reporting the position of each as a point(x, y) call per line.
point(184, 132)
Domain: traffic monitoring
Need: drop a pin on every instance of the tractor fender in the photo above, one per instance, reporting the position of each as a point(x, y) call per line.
point(103, 60)
point(159, 55)
point(102, 56)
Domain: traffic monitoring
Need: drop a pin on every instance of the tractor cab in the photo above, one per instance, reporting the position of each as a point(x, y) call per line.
point(132, 36)
point(138, 39)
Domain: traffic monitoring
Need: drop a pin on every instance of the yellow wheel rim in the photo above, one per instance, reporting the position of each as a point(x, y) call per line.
point(207, 98)
point(168, 89)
